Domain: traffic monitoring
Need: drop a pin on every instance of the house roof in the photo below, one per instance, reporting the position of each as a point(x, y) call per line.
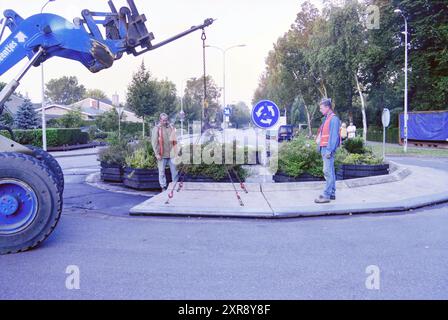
point(92, 111)
point(85, 111)
point(104, 101)
point(13, 104)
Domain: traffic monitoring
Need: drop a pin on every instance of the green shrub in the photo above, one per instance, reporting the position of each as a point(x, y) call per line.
point(376, 134)
point(55, 137)
point(355, 145)
point(115, 154)
point(142, 157)
point(341, 155)
point(300, 156)
point(131, 129)
point(358, 159)
point(215, 171)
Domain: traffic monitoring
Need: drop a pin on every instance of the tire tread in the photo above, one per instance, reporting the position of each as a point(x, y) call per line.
point(35, 162)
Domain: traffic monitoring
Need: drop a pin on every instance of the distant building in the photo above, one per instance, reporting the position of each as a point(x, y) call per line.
point(14, 103)
point(90, 110)
point(56, 111)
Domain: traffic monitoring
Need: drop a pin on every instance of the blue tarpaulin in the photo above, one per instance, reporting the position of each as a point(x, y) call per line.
point(430, 126)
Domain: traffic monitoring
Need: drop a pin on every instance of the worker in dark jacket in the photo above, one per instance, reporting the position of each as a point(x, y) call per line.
point(328, 140)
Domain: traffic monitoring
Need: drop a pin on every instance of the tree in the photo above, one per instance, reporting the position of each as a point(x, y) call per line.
point(333, 54)
point(241, 115)
point(292, 77)
point(96, 94)
point(65, 90)
point(26, 117)
point(428, 28)
point(167, 97)
point(142, 96)
point(72, 119)
point(194, 97)
point(348, 47)
point(6, 119)
point(108, 121)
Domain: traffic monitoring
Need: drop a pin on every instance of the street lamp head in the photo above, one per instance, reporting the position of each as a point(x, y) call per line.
point(398, 11)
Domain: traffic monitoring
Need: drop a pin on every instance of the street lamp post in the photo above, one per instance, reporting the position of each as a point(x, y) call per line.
point(398, 11)
point(44, 121)
point(224, 52)
point(120, 111)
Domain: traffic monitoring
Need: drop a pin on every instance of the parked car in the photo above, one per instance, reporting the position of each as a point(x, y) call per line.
point(285, 133)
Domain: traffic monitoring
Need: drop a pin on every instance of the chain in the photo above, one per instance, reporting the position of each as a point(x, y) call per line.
point(181, 177)
point(204, 107)
point(182, 173)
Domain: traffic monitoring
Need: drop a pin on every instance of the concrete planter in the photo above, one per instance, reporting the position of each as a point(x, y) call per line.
point(284, 178)
point(351, 171)
point(143, 179)
point(346, 172)
point(205, 179)
point(111, 172)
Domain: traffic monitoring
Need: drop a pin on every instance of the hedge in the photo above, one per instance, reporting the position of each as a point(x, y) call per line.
point(55, 137)
point(375, 134)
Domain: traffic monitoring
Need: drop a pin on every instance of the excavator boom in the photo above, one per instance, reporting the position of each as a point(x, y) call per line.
point(43, 36)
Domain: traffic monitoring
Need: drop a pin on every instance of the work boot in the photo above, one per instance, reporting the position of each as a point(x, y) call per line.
point(322, 200)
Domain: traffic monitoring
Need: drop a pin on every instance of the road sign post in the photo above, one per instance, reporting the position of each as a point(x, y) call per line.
point(265, 115)
point(182, 119)
point(386, 122)
point(228, 111)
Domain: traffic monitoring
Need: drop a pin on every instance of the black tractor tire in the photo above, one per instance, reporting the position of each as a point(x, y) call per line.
point(51, 164)
point(30, 171)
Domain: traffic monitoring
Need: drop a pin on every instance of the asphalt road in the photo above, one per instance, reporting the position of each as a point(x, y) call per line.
point(435, 163)
point(120, 257)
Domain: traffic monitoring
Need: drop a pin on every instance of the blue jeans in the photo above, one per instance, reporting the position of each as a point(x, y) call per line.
point(174, 173)
point(329, 173)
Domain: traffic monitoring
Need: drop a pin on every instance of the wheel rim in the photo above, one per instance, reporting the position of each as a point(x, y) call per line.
point(18, 206)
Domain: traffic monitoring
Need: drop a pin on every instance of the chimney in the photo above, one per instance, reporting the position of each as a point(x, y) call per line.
point(94, 104)
point(115, 100)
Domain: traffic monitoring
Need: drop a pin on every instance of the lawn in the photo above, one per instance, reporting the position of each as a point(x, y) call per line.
point(397, 150)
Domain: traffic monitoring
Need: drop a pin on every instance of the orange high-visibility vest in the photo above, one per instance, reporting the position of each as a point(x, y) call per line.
point(324, 131)
point(173, 141)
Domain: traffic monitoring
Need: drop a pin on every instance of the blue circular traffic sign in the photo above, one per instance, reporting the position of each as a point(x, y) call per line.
point(265, 114)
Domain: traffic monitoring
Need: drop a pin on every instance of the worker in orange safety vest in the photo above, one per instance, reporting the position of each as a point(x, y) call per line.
point(328, 140)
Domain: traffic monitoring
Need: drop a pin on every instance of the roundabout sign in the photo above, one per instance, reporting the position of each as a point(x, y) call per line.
point(265, 114)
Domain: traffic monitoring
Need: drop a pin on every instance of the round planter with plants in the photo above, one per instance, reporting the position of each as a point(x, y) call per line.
point(358, 161)
point(112, 160)
point(141, 171)
point(218, 171)
point(299, 161)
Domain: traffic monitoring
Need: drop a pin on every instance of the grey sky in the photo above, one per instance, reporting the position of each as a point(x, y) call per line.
point(257, 24)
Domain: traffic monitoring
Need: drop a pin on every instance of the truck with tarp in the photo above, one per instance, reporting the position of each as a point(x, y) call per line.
point(426, 128)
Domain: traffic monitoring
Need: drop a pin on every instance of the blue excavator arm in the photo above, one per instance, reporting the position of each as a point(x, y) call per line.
point(43, 36)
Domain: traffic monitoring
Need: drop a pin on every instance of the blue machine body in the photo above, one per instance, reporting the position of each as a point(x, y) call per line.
point(82, 40)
